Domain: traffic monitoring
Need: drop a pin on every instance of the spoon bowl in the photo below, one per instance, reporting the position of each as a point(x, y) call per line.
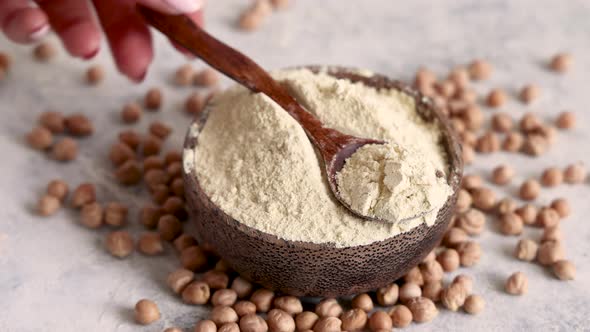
point(322, 269)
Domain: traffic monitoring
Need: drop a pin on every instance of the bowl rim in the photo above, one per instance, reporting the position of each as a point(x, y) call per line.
point(425, 107)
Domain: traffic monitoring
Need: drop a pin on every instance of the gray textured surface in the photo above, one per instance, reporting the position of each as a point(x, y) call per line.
point(55, 276)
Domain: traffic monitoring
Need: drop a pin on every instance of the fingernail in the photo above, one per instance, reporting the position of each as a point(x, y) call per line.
point(185, 6)
point(90, 55)
point(140, 78)
point(39, 33)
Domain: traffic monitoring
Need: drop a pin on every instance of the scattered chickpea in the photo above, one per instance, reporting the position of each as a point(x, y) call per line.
point(467, 154)
point(289, 304)
point(94, 74)
point(454, 236)
point(53, 120)
point(465, 281)
point(502, 174)
point(423, 309)
point(535, 145)
point(513, 142)
point(173, 329)
point(401, 316)
point(153, 99)
point(83, 194)
point(146, 312)
point(564, 270)
point(207, 77)
point(216, 279)
point(473, 117)
point(184, 75)
point(506, 205)
point(244, 308)
point(178, 279)
point(414, 275)
point(362, 301)
point(280, 321)
point(474, 304)
point(306, 320)
point(480, 69)
point(550, 252)
point(552, 177)
point(561, 62)
point(575, 173)
point(169, 228)
point(196, 292)
point(380, 320)
point(92, 215)
point(471, 182)
point(529, 93)
point(516, 284)
point(205, 326)
point(528, 214)
point(529, 190)
point(224, 297)
point(472, 222)
point(131, 113)
point(48, 205)
point(502, 122)
point(79, 125)
point(280, 4)
point(511, 224)
point(129, 173)
point(194, 103)
point(151, 145)
point(119, 244)
point(469, 253)
point(387, 296)
point(453, 296)
point(328, 307)
point(192, 258)
point(487, 143)
point(551, 234)
point(529, 122)
point(131, 138)
point(526, 250)
point(449, 259)
point(464, 200)
point(432, 290)
point(262, 298)
point(44, 52)
point(547, 217)
point(115, 214)
point(5, 60)
point(353, 320)
point(484, 198)
point(58, 189)
point(562, 207)
point(39, 138)
point(242, 287)
point(159, 129)
point(253, 323)
point(65, 150)
point(408, 291)
point(496, 98)
point(150, 244)
point(565, 120)
point(328, 324)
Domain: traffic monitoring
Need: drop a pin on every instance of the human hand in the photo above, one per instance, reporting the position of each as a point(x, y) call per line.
point(73, 21)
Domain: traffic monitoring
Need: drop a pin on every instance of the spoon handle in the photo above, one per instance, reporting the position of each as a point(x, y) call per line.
point(237, 66)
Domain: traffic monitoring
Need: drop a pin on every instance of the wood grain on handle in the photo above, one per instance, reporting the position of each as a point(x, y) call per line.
point(240, 68)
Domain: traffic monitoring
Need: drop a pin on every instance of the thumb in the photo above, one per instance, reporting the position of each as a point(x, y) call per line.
point(174, 6)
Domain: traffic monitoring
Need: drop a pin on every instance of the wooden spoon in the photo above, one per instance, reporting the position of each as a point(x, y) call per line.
point(334, 146)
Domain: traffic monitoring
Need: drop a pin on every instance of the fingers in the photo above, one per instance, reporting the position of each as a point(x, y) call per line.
point(20, 22)
point(72, 20)
point(174, 6)
point(128, 36)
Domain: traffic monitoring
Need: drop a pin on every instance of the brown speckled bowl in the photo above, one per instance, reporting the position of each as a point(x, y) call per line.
point(303, 268)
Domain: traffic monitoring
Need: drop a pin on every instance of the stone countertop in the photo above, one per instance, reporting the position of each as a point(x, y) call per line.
point(56, 276)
